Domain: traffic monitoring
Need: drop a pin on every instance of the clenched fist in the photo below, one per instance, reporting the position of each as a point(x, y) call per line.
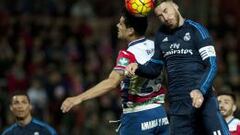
point(130, 69)
point(197, 98)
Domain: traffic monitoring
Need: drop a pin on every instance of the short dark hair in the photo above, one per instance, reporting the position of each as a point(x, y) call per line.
point(18, 93)
point(139, 24)
point(228, 93)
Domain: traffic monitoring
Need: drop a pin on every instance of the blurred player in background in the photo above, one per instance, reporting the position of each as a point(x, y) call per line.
point(142, 112)
point(227, 105)
point(25, 124)
point(187, 51)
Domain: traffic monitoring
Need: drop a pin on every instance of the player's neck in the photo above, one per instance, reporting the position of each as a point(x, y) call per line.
point(132, 38)
point(229, 118)
point(24, 122)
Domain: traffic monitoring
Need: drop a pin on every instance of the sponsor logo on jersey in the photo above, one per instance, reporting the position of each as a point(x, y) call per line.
point(123, 62)
point(175, 48)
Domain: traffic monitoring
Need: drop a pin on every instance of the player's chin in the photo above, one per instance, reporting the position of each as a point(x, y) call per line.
point(20, 117)
point(223, 112)
point(172, 26)
point(120, 36)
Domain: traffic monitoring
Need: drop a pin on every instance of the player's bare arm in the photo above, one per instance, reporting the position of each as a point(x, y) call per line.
point(101, 88)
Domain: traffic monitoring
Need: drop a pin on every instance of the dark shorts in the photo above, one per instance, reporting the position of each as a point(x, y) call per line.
point(187, 120)
point(152, 121)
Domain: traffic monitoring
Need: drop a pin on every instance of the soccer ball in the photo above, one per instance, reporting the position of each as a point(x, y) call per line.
point(139, 7)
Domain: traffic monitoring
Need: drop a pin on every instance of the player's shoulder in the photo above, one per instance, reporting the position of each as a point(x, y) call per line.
point(9, 130)
point(233, 125)
point(197, 27)
point(194, 24)
point(148, 43)
point(142, 44)
point(141, 41)
point(44, 126)
point(236, 121)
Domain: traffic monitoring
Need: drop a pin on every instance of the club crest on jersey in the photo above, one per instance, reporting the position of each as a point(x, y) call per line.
point(187, 36)
point(123, 62)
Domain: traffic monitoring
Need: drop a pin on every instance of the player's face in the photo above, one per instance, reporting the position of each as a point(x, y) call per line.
point(226, 105)
point(122, 29)
point(20, 106)
point(168, 14)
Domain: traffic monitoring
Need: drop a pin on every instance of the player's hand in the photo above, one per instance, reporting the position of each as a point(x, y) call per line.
point(197, 98)
point(70, 103)
point(130, 69)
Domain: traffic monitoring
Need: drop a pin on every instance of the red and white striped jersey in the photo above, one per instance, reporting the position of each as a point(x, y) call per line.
point(138, 89)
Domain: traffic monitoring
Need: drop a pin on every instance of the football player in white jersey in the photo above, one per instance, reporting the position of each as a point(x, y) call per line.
point(141, 98)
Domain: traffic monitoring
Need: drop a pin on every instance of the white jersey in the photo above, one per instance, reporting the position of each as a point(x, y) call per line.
point(143, 49)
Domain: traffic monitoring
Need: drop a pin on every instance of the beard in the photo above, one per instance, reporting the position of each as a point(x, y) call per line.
point(176, 21)
point(177, 16)
point(226, 113)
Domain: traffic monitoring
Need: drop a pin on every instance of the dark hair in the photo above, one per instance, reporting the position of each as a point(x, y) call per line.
point(139, 24)
point(228, 93)
point(18, 93)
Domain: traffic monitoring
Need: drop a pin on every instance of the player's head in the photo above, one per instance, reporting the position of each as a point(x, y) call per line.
point(130, 25)
point(227, 103)
point(20, 105)
point(168, 13)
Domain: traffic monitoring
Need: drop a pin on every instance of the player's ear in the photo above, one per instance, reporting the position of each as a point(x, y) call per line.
point(175, 5)
point(30, 107)
point(234, 108)
point(131, 31)
point(11, 108)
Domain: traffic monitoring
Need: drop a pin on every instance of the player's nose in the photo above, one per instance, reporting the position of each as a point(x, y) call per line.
point(221, 106)
point(117, 25)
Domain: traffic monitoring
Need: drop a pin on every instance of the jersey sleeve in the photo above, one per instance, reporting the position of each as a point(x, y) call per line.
point(238, 129)
point(9, 130)
point(153, 67)
point(204, 44)
point(124, 58)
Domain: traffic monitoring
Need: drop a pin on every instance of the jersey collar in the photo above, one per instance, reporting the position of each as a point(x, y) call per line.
point(230, 120)
point(134, 42)
point(19, 125)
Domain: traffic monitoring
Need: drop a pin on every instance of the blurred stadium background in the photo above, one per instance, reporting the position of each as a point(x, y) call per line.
point(57, 48)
